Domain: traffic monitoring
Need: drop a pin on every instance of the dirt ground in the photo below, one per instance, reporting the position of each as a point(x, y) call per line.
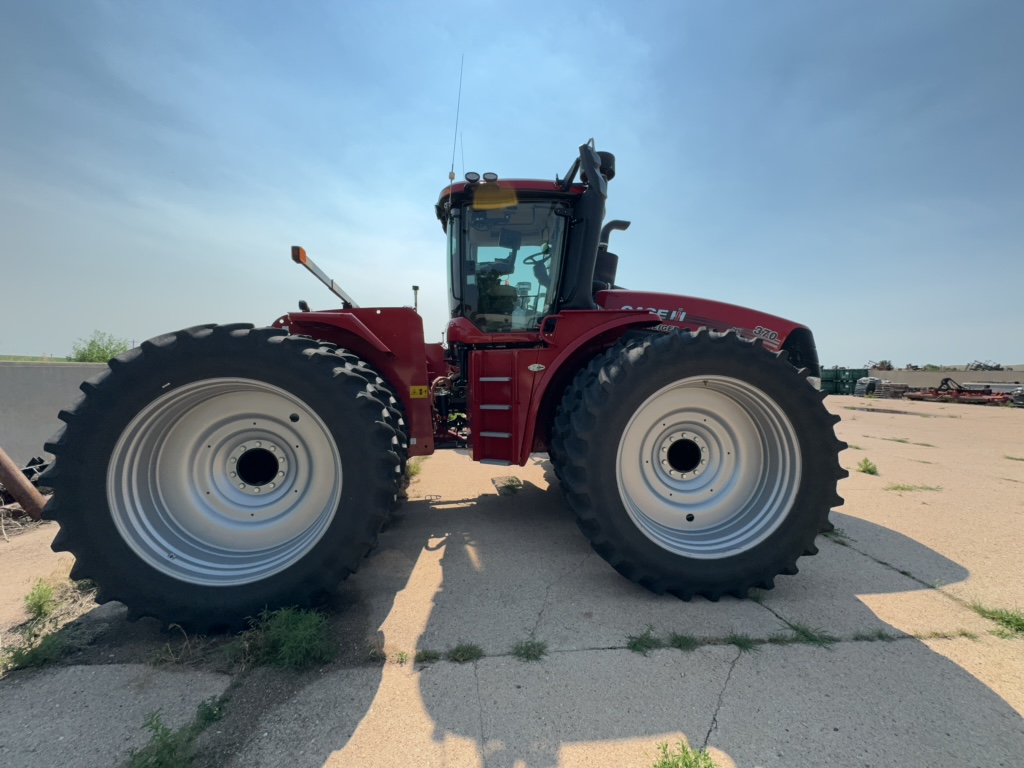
point(945, 514)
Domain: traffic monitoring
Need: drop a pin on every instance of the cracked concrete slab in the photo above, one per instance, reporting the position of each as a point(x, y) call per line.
point(598, 707)
point(90, 717)
point(574, 708)
point(961, 449)
point(863, 704)
point(846, 594)
point(429, 715)
point(465, 563)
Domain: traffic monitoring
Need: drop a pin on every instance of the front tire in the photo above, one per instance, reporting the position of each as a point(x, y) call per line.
point(698, 464)
point(221, 470)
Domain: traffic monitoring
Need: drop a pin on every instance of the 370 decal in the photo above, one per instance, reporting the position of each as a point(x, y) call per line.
point(765, 333)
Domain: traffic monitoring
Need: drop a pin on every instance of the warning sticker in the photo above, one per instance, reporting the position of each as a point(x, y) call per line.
point(418, 392)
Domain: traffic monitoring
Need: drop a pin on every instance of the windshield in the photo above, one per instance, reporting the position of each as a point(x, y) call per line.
point(505, 263)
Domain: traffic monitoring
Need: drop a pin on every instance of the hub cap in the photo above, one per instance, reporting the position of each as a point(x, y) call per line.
point(224, 481)
point(708, 467)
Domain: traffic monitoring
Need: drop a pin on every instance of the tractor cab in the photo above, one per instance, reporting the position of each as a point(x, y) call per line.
point(519, 250)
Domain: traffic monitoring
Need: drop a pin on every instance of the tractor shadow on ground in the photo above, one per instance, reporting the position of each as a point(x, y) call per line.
point(500, 569)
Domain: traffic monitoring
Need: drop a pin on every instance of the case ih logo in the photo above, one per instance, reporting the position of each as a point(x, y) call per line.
point(664, 314)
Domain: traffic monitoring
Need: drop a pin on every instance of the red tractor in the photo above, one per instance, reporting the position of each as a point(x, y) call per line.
point(219, 470)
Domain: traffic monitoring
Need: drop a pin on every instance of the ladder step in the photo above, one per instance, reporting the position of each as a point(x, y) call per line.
point(495, 378)
point(495, 407)
point(497, 462)
point(504, 435)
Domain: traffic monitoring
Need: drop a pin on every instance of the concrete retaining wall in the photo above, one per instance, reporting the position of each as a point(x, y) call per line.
point(31, 394)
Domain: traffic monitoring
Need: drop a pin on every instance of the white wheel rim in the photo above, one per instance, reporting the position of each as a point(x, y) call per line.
point(224, 481)
point(708, 467)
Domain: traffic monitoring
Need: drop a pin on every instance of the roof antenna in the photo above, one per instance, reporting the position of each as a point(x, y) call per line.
point(455, 139)
point(458, 107)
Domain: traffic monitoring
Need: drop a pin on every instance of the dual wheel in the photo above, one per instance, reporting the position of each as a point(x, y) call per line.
point(221, 470)
point(697, 464)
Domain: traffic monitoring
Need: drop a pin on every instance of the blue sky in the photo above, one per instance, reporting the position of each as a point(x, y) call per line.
point(857, 167)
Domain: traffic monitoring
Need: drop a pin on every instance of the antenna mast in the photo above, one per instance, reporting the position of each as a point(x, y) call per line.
point(458, 108)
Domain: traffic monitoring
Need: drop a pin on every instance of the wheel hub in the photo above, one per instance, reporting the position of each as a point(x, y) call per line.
point(224, 481)
point(708, 467)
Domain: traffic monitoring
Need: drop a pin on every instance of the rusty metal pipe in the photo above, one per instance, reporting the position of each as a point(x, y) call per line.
point(12, 478)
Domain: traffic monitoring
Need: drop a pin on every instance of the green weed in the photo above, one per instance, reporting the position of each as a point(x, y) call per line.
point(1011, 622)
point(413, 467)
point(681, 756)
point(41, 601)
point(902, 487)
point(37, 652)
point(425, 656)
point(805, 634)
point(174, 749)
point(294, 638)
point(878, 634)
point(947, 635)
point(464, 652)
point(165, 749)
point(645, 642)
point(530, 650)
point(867, 466)
point(683, 642)
point(744, 642)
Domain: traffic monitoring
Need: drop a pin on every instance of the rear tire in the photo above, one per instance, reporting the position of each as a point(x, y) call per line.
point(698, 464)
point(221, 470)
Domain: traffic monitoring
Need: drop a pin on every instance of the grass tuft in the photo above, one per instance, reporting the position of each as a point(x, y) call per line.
point(37, 653)
point(683, 642)
point(41, 600)
point(165, 749)
point(413, 467)
point(878, 634)
point(867, 466)
point(645, 642)
point(174, 749)
point(939, 635)
point(1011, 622)
point(530, 650)
point(744, 642)
point(805, 634)
point(293, 638)
point(902, 487)
point(464, 652)
point(426, 656)
point(681, 756)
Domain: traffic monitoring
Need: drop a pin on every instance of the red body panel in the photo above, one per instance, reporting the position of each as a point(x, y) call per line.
point(692, 313)
point(511, 407)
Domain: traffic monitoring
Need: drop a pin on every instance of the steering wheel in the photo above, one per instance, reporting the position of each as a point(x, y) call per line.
point(532, 258)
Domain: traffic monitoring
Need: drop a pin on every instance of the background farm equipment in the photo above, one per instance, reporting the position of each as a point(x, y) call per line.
point(951, 392)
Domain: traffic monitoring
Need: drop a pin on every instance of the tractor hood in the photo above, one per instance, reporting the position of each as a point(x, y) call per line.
point(691, 313)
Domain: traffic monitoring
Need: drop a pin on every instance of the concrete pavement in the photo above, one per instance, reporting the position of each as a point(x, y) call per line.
point(465, 564)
